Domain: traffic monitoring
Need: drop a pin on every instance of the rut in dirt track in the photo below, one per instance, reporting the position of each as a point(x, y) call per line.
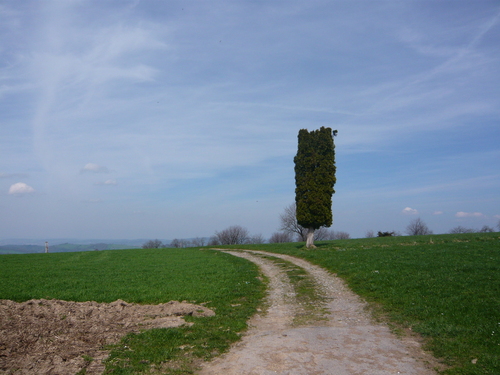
point(347, 342)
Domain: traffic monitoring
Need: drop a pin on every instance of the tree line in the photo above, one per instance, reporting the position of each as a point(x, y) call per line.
point(291, 231)
point(418, 227)
point(178, 243)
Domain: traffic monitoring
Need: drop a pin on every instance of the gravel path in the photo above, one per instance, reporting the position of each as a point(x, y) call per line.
point(348, 342)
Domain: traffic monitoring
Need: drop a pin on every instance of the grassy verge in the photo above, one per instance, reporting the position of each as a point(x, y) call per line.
point(227, 284)
point(445, 287)
point(306, 292)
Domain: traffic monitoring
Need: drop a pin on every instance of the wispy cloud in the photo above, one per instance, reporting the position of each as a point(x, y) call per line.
point(94, 168)
point(457, 185)
point(458, 57)
point(462, 214)
point(77, 64)
point(107, 183)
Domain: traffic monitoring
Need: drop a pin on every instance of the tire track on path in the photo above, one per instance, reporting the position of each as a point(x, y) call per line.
point(348, 342)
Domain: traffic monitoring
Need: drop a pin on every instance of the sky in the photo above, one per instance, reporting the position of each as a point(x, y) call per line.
point(177, 119)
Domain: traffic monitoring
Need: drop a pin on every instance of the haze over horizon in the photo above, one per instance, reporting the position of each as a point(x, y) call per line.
point(151, 119)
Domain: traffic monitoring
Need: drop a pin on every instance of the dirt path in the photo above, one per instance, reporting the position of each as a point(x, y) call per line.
point(348, 342)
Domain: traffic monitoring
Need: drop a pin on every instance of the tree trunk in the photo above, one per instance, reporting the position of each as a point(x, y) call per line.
point(310, 239)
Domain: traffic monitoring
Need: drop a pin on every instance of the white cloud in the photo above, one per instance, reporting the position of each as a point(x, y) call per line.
point(409, 211)
point(438, 212)
point(468, 214)
point(94, 168)
point(21, 188)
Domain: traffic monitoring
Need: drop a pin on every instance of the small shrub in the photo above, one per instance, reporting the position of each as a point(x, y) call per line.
point(385, 234)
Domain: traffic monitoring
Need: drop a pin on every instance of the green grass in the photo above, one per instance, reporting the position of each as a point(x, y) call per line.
point(228, 284)
point(445, 287)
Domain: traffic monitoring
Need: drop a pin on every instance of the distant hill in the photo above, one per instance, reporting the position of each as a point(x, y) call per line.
point(58, 241)
point(59, 245)
point(21, 249)
point(65, 247)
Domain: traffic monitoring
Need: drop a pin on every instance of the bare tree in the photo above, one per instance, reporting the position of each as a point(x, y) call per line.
point(281, 237)
point(323, 234)
point(213, 241)
point(175, 243)
point(498, 225)
point(417, 228)
point(179, 243)
point(289, 223)
point(369, 234)
point(199, 241)
point(256, 239)
point(152, 244)
point(486, 229)
point(461, 229)
point(233, 235)
point(331, 235)
point(339, 235)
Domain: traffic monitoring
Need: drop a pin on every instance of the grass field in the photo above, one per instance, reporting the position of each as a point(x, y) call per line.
point(229, 285)
point(445, 287)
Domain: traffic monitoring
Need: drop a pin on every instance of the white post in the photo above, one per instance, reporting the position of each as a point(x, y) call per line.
point(46, 247)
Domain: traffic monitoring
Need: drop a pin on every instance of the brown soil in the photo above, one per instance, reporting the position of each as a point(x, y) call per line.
point(60, 337)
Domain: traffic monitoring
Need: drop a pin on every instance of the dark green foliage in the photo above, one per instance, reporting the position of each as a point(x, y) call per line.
point(385, 234)
point(315, 177)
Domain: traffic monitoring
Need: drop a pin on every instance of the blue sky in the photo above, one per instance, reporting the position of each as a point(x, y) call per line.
point(175, 119)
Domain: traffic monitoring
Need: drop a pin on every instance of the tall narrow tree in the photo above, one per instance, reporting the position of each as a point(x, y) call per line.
point(314, 180)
